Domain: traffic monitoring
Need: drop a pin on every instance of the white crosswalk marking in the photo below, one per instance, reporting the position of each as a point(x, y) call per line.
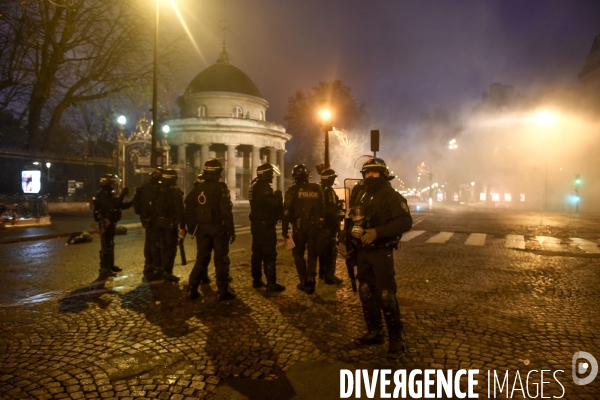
point(441, 237)
point(411, 235)
point(586, 245)
point(476, 239)
point(515, 242)
point(549, 243)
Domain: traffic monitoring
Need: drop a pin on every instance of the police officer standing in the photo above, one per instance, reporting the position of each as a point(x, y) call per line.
point(208, 210)
point(305, 210)
point(142, 203)
point(107, 212)
point(380, 216)
point(266, 208)
point(327, 240)
point(168, 221)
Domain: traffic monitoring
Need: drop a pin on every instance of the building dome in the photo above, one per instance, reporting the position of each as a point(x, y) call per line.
point(223, 77)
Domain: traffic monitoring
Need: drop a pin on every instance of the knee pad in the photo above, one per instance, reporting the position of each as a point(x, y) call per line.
point(225, 260)
point(388, 301)
point(364, 292)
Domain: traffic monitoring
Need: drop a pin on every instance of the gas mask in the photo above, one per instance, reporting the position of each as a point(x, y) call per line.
point(358, 218)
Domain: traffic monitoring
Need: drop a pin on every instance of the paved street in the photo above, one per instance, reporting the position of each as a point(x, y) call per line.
point(478, 289)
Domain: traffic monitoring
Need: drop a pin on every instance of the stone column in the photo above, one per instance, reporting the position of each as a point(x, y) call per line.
point(231, 169)
point(255, 160)
point(181, 154)
point(203, 154)
point(273, 160)
point(197, 159)
point(280, 165)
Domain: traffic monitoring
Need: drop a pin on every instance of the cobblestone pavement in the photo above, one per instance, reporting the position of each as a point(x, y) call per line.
point(489, 307)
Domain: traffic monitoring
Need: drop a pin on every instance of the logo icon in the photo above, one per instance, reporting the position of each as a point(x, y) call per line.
point(583, 367)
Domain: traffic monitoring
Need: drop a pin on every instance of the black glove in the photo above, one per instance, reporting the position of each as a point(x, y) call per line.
point(125, 191)
point(231, 239)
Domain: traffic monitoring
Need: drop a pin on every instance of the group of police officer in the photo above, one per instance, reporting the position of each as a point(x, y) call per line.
point(379, 217)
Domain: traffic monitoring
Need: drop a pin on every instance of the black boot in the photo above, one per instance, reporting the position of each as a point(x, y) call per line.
point(257, 283)
point(391, 313)
point(271, 273)
point(193, 293)
point(225, 295)
point(372, 314)
point(310, 287)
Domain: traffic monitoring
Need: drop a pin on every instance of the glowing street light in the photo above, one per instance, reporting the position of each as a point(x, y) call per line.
point(326, 115)
point(121, 120)
point(166, 129)
point(545, 118)
point(452, 144)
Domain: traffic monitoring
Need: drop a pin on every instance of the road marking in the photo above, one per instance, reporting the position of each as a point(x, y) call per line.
point(441, 237)
point(586, 245)
point(549, 243)
point(410, 235)
point(476, 239)
point(515, 242)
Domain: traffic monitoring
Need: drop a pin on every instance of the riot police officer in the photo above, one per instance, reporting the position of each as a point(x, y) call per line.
point(266, 208)
point(168, 221)
point(380, 216)
point(107, 212)
point(305, 210)
point(142, 202)
point(327, 239)
point(209, 214)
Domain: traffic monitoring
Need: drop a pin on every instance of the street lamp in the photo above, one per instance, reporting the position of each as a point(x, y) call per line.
point(544, 119)
point(154, 150)
point(326, 126)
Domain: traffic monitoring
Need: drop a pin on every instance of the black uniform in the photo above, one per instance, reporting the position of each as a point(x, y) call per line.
point(305, 210)
point(107, 212)
point(208, 210)
point(145, 195)
point(387, 212)
point(327, 240)
point(167, 218)
point(266, 208)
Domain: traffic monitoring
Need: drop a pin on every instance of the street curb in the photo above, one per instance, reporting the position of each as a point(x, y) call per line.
point(130, 227)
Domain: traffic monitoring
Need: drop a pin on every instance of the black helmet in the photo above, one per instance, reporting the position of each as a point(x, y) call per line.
point(212, 169)
point(300, 171)
point(156, 172)
point(109, 179)
point(267, 171)
point(376, 164)
point(169, 177)
point(328, 176)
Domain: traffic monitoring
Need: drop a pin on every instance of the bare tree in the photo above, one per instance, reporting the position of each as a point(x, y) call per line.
point(69, 52)
point(307, 145)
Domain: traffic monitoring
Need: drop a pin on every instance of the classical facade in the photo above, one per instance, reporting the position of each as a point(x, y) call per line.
point(223, 115)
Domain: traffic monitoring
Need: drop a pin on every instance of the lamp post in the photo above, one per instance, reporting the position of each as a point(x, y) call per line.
point(327, 126)
point(545, 119)
point(154, 150)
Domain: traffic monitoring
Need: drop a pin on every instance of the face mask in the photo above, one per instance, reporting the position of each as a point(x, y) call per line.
point(373, 183)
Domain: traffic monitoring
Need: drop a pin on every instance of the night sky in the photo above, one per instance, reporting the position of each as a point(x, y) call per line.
point(400, 58)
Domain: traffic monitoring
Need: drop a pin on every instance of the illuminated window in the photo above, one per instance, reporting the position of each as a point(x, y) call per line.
point(455, 197)
point(238, 112)
point(495, 196)
point(482, 196)
point(522, 197)
point(202, 111)
point(507, 197)
point(440, 196)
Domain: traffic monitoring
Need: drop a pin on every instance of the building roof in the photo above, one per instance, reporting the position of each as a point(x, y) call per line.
point(223, 77)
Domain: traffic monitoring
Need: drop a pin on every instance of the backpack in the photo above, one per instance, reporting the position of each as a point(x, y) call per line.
point(207, 203)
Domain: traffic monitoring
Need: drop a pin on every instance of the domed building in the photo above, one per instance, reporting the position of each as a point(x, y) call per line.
point(223, 115)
